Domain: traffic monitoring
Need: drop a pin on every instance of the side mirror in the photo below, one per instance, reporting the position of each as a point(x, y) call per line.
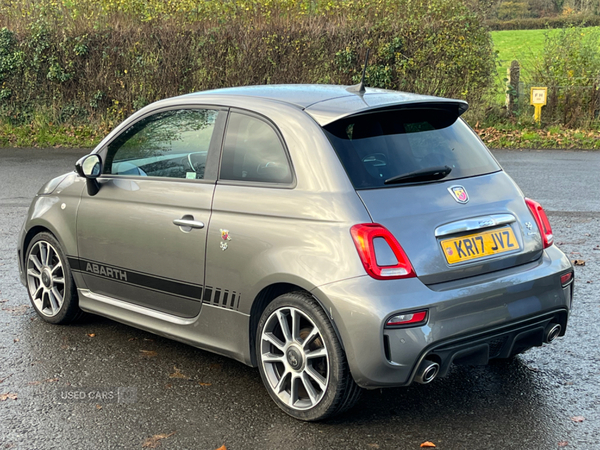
point(90, 168)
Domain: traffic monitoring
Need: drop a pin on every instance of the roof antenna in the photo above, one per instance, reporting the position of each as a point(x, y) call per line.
point(360, 87)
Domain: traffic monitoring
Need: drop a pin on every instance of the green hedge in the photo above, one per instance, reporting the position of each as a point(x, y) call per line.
point(432, 47)
point(544, 22)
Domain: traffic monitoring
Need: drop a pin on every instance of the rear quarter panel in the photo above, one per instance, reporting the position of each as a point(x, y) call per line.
point(297, 234)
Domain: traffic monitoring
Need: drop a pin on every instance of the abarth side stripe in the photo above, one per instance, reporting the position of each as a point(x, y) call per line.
point(207, 294)
point(143, 280)
point(221, 297)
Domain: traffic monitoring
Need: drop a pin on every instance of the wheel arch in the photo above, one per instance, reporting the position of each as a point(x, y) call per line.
point(52, 222)
point(31, 233)
point(264, 298)
point(68, 302)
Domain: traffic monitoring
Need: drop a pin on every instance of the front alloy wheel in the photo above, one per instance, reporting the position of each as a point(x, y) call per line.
point(45, 278)
point(301, 361)
point(49, 281)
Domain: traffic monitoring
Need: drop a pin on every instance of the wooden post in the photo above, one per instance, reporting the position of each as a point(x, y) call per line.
point(512, 87)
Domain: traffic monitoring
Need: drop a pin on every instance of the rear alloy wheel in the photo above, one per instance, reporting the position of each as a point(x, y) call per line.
point(301, 361)
point(49, 281)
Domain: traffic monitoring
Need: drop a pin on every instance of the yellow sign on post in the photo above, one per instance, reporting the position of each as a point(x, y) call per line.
point(539, 96)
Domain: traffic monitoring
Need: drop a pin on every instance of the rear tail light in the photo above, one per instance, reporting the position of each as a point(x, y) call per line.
point(396, 264)
point(407, 319)
point(542, 222)
point(566, 279)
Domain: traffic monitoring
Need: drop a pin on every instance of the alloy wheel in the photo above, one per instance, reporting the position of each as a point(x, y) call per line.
point(294, 358)
point(45, 278)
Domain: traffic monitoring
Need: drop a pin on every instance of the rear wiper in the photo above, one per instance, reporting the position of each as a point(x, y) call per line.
point(428, 174)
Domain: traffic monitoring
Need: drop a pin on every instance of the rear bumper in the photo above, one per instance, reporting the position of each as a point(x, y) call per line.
point(503, 342)
point(470, 321)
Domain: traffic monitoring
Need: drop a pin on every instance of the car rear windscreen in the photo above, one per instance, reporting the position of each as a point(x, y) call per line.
point(380, 146)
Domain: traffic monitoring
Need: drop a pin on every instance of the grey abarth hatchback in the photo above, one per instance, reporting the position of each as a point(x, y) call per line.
point(336, 239)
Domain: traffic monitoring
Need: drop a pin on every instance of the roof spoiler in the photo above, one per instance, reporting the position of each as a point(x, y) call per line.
point(456, 106)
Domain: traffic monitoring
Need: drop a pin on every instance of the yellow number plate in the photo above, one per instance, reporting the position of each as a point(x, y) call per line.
point(478, 245)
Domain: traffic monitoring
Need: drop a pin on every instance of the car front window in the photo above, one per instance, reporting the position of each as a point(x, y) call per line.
point(171, 144)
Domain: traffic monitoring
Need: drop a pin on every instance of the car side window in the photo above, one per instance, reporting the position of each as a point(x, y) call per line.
point(253, 151)
point(170, 144)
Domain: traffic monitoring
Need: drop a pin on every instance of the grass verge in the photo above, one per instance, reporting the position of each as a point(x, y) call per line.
point(49, 135)
point(499, 136)
point(553, 137)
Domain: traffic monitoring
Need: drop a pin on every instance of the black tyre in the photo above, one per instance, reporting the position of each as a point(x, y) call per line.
point(50, 284)
point(301, 361)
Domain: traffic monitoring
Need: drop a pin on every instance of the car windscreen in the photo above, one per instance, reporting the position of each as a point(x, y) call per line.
point(395, 145)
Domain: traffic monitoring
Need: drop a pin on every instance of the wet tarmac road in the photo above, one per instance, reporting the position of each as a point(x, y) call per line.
point(207, 400)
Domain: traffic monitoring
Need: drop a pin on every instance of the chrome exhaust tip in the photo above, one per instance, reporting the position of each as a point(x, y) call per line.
point(552, 332)
point(427, 371)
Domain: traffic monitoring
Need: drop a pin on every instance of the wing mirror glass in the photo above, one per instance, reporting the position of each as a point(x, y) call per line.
point(90, 168)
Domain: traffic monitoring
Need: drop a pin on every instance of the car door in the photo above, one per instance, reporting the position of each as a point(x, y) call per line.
point(142, 237)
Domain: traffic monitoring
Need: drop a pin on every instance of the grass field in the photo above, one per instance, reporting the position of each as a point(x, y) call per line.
point(524, 46)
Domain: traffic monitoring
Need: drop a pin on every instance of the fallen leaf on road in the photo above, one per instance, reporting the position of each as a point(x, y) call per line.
point(563, 443)
point(148, 353)
point(4, 300)
point(578, 262)
point(2, 379)
point(427, 444)
point(48, 380)
point(154, 441)
point(578, 419)
point(222, 447)
point(204, 384)
point(8, 395)
point(16, 310)
point(16, 340)
point(92, 334)
point(132, 339)
point(373, 445)
point(98, 407)
point(178, 374)
point(147, 339)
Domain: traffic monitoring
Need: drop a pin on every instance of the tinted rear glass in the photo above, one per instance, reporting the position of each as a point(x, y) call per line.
point(378, 146)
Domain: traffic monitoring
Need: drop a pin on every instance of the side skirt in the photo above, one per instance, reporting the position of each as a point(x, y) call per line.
point(218, 330)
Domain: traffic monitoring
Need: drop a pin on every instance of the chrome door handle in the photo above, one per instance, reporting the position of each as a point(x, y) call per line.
point(188, 223)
